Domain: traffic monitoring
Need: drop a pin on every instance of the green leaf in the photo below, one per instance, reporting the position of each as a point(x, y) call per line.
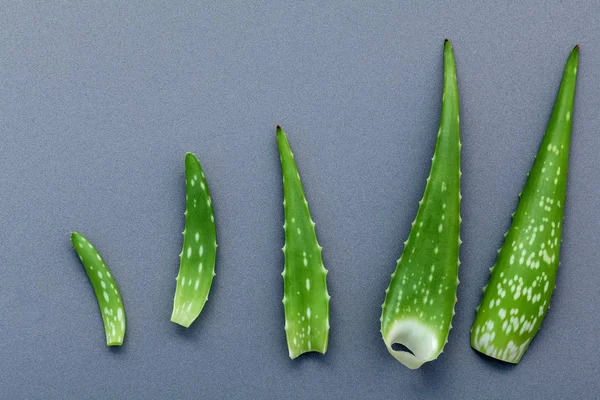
point(305, 300)
point(518, 292)
point(419, 302)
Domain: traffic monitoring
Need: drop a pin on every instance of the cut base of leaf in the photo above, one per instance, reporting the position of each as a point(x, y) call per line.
point(512, 354)
point(182, 319)
point(417, 337)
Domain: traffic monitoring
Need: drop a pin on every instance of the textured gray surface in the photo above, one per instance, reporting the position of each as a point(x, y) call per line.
point(99, 103)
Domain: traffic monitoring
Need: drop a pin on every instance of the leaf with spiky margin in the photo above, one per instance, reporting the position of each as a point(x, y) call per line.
point(306, 299)
point(520, 286)
point(419, 302)
point(105, 288)
point(197, 264)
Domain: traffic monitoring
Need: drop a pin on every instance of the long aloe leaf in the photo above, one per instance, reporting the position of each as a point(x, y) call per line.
point(306, 299)
point(419, 302)
point(518, 292)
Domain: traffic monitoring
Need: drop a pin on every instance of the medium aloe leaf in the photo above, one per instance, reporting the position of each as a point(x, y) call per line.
point(419, 303)
point(305, 300)
point(518, 292)
point(197, 265)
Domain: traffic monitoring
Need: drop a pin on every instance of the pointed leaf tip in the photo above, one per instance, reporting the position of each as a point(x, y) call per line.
point(575, 51)
point(280, 134)
point(191, 160)
point(190, 156)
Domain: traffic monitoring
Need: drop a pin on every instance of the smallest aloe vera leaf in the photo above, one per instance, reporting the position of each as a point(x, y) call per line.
point(198, 256)
point(520, 286)
point(105, 287)
point(305, 299)
point(419, 302)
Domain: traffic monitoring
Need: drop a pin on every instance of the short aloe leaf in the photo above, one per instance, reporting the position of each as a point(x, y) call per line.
point(197, 258)
point(520, 285)
point(419, 302)
point(306, 299)
point(105, 288)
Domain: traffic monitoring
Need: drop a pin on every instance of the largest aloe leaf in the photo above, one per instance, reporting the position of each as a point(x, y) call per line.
point(518, 292)
point(419, 302)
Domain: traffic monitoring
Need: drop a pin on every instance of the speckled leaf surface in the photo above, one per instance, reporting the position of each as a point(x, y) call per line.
point(306, 299)
point(105, 288)
point(197, 264)
point(419, 303)
point(518, 292)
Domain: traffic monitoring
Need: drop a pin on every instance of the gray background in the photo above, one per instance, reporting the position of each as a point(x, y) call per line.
point(100, 102)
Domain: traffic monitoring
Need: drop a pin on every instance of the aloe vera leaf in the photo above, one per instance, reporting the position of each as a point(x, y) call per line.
point(520, 285)
point(105, 288)
point(306, 299)
point(198, 255)
point(419, 302)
